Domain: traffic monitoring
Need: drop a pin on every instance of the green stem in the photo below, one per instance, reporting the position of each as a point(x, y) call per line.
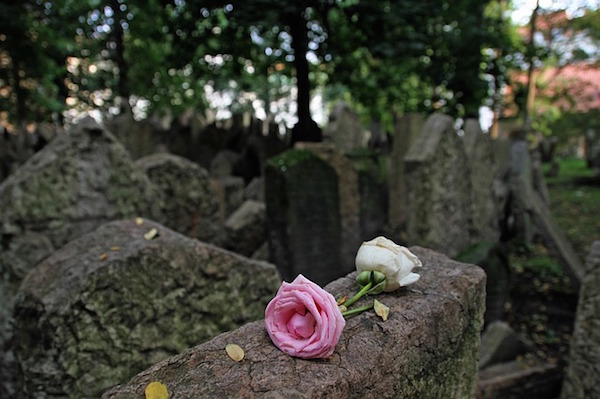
point(356, 297)
point(353, 312)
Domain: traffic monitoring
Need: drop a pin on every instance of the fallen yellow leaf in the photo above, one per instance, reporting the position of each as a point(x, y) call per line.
point(156, 390)
point(150, 234)
point(342, 300)
point(104, 256)
point(381, 310)
point(235, 352)
point(115, 249)
point(139, 221)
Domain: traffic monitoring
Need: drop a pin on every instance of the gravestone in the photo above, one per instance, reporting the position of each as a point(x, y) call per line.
point(520, 186)
point(583, 371)
point(79, 181)
point(373, 192)
point(439, 188)
point(222, 164)
point(229, 193)
point(349, 197)
point(246, 228)
point(255, 190)
point(112, 302)
point(484, 213)
point(344, 129)
point(140, 138)
point(187, 202)
point(303, 217)
point(427, 349)
point(500, 343)
point(406, 129)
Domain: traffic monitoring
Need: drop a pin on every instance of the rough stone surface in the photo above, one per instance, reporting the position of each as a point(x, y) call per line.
point(81, 180)
point(583, 372)
point(500, 343)
point(519, 380)
point(406, 130)
point(187, 202)
point(427, 349)
point(303, 217)
point(246, 228)
point(439, 188)
point(111, 303)
point(484, 214)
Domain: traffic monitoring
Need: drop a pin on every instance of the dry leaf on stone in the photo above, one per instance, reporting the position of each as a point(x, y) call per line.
point(151, 234)
point(115, 249)
point(342, 300)
point(156, 390)
point(235, 352)
point(103, 256)
point(381, 310)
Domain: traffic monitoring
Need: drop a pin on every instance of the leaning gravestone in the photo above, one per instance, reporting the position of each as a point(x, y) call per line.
point(439, 188)
point(129, 294)
point(81, 180)
point(583, 371)
point(303, 217)
point(484, 214)
point(187, 202)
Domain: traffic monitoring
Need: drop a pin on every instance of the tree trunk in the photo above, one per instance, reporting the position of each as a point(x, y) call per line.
point(306, 129)
point(123, 84)
point(531, 72)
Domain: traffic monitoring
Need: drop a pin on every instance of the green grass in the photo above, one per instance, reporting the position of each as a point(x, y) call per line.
point(574, 205)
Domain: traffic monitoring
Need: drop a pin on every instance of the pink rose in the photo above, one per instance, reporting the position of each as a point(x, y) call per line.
point(303, 320)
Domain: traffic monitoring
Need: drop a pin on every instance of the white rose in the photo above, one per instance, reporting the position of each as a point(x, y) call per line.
point(385, 256)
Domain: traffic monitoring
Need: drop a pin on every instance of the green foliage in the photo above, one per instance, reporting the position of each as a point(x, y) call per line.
point(383, 56)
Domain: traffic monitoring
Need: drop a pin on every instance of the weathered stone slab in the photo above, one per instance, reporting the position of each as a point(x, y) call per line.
point(583, 371)
point(111, 303)
point(344, 129)
point(81, 180)
point(303, 217)
point(246, 228)
point(229, 192)
point(349, 197)
point(439, 188)
point(484, 213)
point(373, 192)
point(519, 380)
point(406, 130)
point(187, 202)
point(500, 343)
point(427, 349)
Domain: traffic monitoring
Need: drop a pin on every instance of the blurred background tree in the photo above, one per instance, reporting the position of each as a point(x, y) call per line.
point(60, 58)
